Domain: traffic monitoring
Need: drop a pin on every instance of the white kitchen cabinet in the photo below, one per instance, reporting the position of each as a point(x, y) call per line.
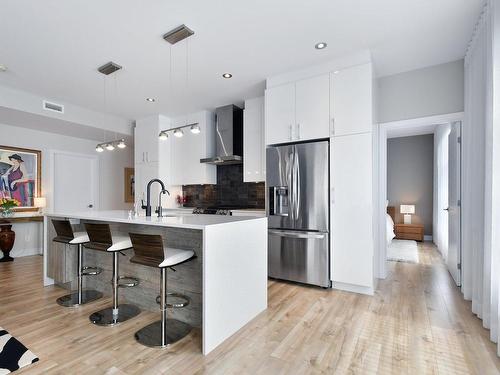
point(312, 109)
point(351, 212)
point(298, 111)
point(351, 100)
point(254, 148)
point(152, 156)
point(187, 151)
point(280, 113)
point(146, 145)
point(142, 175)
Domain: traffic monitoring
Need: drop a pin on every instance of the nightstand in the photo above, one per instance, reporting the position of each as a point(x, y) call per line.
point(409, 232)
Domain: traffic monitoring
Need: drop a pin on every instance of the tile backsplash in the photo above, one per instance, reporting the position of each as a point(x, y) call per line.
point(229, 191)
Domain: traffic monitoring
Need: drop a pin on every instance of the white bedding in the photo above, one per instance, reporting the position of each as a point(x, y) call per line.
point(389, 229)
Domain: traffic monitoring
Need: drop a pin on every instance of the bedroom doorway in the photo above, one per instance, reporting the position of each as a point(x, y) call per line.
point(419, 191)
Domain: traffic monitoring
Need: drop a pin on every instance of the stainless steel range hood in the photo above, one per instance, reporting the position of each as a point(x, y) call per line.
point(229, 136)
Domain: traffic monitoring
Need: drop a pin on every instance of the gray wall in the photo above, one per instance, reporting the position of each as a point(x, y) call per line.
point(430, 91)
point(410, 174)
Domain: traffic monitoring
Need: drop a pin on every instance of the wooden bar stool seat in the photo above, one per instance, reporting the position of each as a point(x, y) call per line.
point(102, 239)
point(65, 235)
point(149, 251)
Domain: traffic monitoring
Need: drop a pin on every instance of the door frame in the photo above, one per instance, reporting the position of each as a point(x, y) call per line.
point(380, 257)
point(97, 174)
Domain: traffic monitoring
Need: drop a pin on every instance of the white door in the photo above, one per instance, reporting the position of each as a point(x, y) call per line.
point(75, 183)
point(454, 250)
point(351, 209)
point(351, 100)
point(280, 114)
point(313, 108)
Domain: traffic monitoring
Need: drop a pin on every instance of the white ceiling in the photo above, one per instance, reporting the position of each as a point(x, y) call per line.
point(53, 47)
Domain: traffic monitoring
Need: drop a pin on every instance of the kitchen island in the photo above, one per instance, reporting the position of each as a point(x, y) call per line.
point(226, 282)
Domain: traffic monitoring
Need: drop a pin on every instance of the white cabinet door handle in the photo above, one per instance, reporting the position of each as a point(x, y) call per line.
point(147, 156)
point(298, 131)
point(143, 157)
point(333, 126)
point(290, 132)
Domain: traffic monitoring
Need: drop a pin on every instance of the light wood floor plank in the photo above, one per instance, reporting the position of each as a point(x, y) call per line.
point(416, 323)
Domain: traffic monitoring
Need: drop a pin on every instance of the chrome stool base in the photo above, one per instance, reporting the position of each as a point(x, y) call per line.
point(106, 317)
point(151, 334)
point(71, 300)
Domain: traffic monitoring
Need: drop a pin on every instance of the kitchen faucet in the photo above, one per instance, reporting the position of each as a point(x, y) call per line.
point(147, 207)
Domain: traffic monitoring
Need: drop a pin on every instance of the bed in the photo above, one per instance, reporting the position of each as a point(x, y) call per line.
point(390, 215)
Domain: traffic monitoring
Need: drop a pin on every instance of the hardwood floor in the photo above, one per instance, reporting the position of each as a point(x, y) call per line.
point(417, 323)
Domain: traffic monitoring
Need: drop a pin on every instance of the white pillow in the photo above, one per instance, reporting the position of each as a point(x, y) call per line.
point(389, 229)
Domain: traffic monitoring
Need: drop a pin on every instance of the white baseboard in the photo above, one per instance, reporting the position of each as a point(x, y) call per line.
point(353, 288)
point(18, 253)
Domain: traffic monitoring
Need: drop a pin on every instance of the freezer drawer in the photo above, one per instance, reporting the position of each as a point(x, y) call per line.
point(299, 256)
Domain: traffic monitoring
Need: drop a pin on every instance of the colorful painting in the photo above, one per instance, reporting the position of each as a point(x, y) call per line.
point(20, 175)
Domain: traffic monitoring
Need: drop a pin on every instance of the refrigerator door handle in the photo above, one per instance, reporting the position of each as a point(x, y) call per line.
point(304, 235)
point(291, 187)
point(297, 183)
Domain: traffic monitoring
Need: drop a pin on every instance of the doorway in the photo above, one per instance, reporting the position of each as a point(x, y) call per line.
point(75, 182)
point(445, 196)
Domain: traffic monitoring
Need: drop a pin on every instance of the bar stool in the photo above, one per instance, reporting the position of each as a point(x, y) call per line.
point(149, 251)
point(65, 235)
point(101, 239)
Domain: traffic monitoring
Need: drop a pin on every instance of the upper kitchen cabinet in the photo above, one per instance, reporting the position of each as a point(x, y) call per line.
point(146, 140)
point(312, 110)
point(186, 151)
point(254, 150)
point(298, 111)
point(351, 100)
point(151, 160)
point(280, 114)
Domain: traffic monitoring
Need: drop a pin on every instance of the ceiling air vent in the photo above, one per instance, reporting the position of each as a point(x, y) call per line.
point(54, 107)
point(109, 68)
point(179, 33)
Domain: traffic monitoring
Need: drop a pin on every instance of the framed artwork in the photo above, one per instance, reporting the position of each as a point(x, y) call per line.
point(20, 176)
point(129, 185)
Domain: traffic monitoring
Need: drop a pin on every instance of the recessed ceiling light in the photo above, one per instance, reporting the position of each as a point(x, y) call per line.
point(150, 99)
point(227, 75)
point(320, 45)
point(3, 68)
point(336, 72)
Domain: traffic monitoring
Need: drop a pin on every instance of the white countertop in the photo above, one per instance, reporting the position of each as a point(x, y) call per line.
point(177, 220)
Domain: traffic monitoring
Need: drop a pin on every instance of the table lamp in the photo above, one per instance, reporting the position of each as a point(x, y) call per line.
point(40, 203)
point(407, 210)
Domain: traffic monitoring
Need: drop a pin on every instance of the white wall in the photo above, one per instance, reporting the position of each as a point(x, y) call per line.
point(112, 166)
point(424, 92)
point(440, 216)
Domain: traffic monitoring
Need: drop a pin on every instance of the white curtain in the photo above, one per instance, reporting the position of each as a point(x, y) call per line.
point(481, 171)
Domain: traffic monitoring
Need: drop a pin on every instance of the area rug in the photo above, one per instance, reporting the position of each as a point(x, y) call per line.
point(13, 354)
point(403, 251)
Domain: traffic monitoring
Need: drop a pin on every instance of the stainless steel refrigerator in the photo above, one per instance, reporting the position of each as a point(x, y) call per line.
point(298, 212)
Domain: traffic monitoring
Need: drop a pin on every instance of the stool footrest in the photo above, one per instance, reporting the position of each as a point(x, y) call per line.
point(127, 282)
point(91, 271)
point(185, 300)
